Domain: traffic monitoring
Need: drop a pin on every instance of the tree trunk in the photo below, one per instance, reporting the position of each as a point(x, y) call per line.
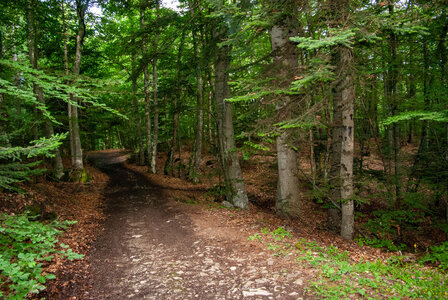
point(155, 140)
point(66, 69)
point(146, 90)
point(343, 140)
point(391, 82)
point(343, 129)
point(58, 168)
point(235, 189)
point(140, 159)
point(156, 116)
point(4, 140)
point(312, 160)
point(285, 61)
point(196, 161)
point(175, 143)
point(77, 160)
point(209, 119)
point(137, 122)
point(120, 142)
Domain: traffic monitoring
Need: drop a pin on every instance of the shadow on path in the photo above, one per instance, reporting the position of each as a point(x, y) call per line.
point(139, 220)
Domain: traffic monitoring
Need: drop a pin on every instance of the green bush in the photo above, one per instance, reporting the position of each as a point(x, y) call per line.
point(386, 225)
point(438, 255)
point(380, 243)
point(24, 245)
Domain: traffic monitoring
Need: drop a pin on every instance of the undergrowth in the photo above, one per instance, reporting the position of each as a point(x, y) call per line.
point(25, 244)
point(340, 277)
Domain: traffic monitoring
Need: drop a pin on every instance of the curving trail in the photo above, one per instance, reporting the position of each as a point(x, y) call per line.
point(151, 248)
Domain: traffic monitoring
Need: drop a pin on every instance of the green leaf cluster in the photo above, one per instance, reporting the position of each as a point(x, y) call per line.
point(24, 246)
point(342, 38)
point(438, 255)
point(13, 170)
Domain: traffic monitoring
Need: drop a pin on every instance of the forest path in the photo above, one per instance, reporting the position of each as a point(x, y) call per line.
point(154, 248)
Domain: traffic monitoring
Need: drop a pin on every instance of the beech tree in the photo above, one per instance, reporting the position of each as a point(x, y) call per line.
point(235, 188)
point(285, 64)
point(75, 138)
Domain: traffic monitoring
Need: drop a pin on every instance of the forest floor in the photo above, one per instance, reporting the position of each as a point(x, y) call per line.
point(165, 238)
point(151, 236)
point(154, 247)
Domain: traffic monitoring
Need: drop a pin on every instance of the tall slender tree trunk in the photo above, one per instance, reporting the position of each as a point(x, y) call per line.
point(77, 160)
point(285, 62)
point(209, 119)
point(196, 159)
point(343, 129)
point(175, 142)
point(146, 88)
point(137, 121)
point(155, 99)
point(343, 139)
point(58, 168)
point(4, 140)
point(391, 95)
point(66, 69)
point(235, 189)
point(156, 116)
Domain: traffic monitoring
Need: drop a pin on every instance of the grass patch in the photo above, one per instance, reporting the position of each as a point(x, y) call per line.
point(340, 277)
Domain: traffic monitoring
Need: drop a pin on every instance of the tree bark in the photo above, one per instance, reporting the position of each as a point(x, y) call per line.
point(146, 89)
point(175, 142)
point(77, 160)
point(235, 188)
point(155, 140)
point(285, 61)
point(343, 140)
point(66, 69)
point(32, 5)
point(4, 140)
point(343, 129)
point(137, 121)
point(391, 82)
point(194, 169)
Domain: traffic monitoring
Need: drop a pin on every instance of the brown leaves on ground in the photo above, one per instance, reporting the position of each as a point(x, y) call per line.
point(260, 179)
point(67, 201)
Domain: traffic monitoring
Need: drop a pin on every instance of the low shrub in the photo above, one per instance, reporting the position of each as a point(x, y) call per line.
point(25, 244)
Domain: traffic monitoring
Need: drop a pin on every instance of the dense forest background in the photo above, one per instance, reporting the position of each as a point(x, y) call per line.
point(346, 100)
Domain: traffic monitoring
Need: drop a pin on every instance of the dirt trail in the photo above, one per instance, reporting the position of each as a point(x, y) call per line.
point(153, 248)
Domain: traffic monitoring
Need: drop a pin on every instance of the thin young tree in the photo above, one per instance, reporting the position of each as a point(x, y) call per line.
point(155, 140)
point(77, 159)
point(33, 42)
point(146, 83)
point(197, 151)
